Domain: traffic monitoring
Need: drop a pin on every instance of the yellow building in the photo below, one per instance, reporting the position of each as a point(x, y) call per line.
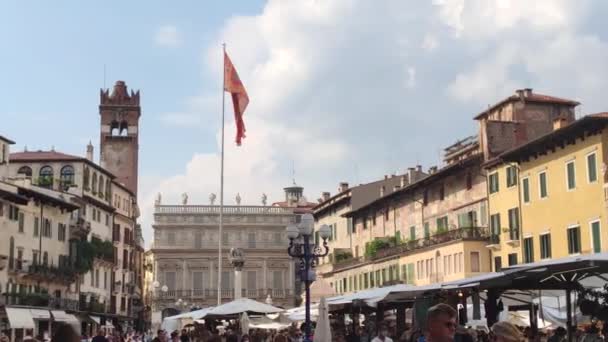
point(547, 198)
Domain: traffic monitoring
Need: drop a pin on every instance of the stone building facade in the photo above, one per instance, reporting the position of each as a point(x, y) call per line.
point(185, 254)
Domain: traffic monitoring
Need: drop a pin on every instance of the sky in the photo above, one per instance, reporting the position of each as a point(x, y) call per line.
point(340, 90)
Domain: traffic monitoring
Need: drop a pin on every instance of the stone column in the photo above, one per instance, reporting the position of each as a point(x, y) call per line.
point(290, 278)
point(238, 282)
point(184, 274)
point(211, 272)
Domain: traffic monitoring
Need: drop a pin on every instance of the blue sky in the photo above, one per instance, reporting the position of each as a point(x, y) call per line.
point(344, 90)
point(52, 67)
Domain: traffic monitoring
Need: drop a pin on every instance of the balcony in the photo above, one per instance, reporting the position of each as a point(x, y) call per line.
point(79, 228)
point(202, 294)
point(470, 234)
point(513, 237)
point(494, 241)
point(215, 209)
point(42, 300)
point(49, 273)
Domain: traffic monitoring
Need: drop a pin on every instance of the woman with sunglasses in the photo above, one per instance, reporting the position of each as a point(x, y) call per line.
point(505, 332)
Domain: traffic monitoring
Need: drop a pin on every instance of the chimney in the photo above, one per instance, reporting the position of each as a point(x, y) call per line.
point(402, 182)
point(325, 196)
point(520, 94)
point(432, 170)
point(396, 188)
point(382, 191)
point(527, 92)
point(560, 122)
point(385, 177)
point(419, 168)
point(343, 186)
point(90, 152)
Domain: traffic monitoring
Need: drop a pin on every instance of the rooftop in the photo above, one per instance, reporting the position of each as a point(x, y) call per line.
point(529, 96)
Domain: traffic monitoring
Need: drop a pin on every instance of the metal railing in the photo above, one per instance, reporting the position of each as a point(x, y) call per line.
point(225, 293)
point(215, 209)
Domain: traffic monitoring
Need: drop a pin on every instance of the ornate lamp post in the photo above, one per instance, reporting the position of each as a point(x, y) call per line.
point(307, 252)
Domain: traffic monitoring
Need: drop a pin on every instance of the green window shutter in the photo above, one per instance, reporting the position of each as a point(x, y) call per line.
point(591, 168)
point(571, 175)
point(427, 230)
point(526, 189)
point(597, 238)
point(542, 179)
point(410, 273)
point(413, 233)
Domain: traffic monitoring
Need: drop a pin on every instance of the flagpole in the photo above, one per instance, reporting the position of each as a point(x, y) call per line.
point(219, 250)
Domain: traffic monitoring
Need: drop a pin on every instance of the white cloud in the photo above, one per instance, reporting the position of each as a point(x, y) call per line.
point(168, 36)
point(348, 90)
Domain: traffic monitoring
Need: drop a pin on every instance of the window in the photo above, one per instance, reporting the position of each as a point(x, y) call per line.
point(66, 176)
point(574, 240)
point(25, 171)
point(475, 262)
point(350, 226)
point(36, 226)
point(467, 219)
point(528, 250)
point(512, 259)
point(45, 177)
point(365, 223)
point(47, 229)
point(100, 192)
point(13, 213)
point(398, 237)
point(170, 279)
point(514, 224)
point(105, 280)
point(469, 181)
point(427, 230)
point(493, 183)
point(277, 279)
point(571, 176)
point(495, 225)
point(442, 224)
point(61, 230)
point(85, 178)
point(511, 176)
point(107, 220)
point(497, 264)
point(97, 278)
point(441, 192)
point(251, 240)
point(171, 238)
point(545, 246)
point(386, 212)
point(45, 258)
point(21, 223)
point(252, 280)
point(591, 168)
point(425, 197)
point(525, 185)
point(197, 280)
point(542, 184)
point(596, 236)
point(94, 183)
point(374, 219)
point(413, 233)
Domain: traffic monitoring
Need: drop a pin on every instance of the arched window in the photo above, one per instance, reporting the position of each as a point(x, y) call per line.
point(94, 183)
point(114, 128)
point(25, 171)
point(124, 129)
point(45, 178)
point(67, 176)
point(100, 192)
point(85, 178)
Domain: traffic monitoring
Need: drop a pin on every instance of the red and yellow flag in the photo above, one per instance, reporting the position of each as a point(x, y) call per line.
point(240, 99)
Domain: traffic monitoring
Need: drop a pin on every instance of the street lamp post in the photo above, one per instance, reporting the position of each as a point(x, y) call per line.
point(308, 256)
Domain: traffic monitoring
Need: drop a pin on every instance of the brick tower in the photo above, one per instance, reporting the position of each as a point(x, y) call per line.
point(119, 136)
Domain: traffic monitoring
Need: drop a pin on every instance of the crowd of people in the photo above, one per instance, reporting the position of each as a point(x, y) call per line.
point(440, 326)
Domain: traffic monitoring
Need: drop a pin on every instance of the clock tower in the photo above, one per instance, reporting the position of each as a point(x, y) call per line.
point(119, 137)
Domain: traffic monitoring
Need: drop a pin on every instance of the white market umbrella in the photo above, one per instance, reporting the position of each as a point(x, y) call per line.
point(244, 324)
point(323, 330)
point(238, 306)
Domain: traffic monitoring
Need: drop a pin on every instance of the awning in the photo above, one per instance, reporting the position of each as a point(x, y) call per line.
point(97, 319)
point(40, 314)
point(86, 318)
point(61, 316)
point(20, 318)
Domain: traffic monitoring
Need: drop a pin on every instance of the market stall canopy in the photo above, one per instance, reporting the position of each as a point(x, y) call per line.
point(20, 318)
point(241, 305)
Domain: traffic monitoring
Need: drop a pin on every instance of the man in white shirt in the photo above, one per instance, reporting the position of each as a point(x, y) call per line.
point(382, 335)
